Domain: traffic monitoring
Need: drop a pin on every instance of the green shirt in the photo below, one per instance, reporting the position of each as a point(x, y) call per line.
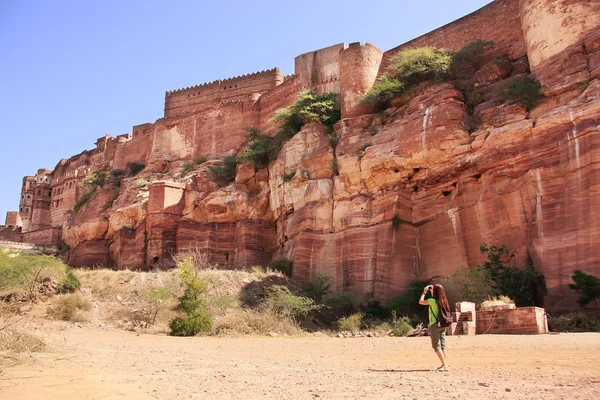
point(433, 311)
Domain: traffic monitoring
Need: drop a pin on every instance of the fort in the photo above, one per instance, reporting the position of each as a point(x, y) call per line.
point(339, 226)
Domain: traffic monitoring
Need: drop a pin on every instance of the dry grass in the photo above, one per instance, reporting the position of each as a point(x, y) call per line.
point(69, 308)
point(496, 302)
point(15, 341)
point(255, 322)
point(351, 323)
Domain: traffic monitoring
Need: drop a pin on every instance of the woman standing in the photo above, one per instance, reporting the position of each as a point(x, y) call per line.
point(436, 332)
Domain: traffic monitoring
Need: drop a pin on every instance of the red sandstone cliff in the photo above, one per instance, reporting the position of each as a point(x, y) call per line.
point(529, 180)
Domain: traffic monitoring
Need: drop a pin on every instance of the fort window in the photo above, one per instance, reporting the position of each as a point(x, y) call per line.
point(39, 192)
point(21, 209)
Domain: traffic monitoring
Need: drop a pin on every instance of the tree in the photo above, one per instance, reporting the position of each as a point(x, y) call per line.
point(588, 287)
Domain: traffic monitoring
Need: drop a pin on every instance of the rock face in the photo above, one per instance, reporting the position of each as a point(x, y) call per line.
point(402, 195)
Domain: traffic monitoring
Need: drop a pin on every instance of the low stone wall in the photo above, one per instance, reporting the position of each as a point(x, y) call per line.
point(524, 320)
point(28, 248)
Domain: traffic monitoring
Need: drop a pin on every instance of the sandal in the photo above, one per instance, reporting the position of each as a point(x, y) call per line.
point(443, 368)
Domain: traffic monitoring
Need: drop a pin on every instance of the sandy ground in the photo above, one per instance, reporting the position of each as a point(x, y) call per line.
point(95, 363)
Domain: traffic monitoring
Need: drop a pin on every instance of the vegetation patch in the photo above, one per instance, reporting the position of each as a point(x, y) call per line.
point(200, 160)
point(351, 323)
point(523, 90)
point(283, 265)
point(225, 173)
point(466, 61)
point(588, 287)
point(187, 168)
point(135, 167)
point(69, 308)
point(288, 177)
point(260, 149)
point(308, 107)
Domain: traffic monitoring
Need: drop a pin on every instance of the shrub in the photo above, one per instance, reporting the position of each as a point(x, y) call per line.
point(523, 90)
point(334, 139)
point(24, 274)
point(410, 300)
point(318, 287)
point(201, 160)
point(187, 168)
point(381, 94)
point(135, 167)
point(308, 107)
point(115, 177)
point(192, 301)
point(400, 327)
point(587, 285)
point(17, 342)
point(191, 324)
point(414, 66)
point(288, 177)
point(466, 61)
point(249, 321)
point(95, 180)
point(373, 130)
point(396, 221)
point(575, 322)
point(334, 167)
point(282, 298)
point(341, 302)
point(85, 197)
point(351, 323)
point(282, 265)
point(225, 173)
point(69, 283)
point(375, 309)
point(260, 149)
point(141, 183)
point(67, 308)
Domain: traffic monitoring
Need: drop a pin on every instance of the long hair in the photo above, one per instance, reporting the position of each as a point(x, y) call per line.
point(439, 294)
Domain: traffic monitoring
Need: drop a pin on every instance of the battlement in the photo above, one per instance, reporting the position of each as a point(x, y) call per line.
point(226, 82)
point(198, 98)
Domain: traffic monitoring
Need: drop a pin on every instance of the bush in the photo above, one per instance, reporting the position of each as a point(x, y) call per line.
point(135, 167)
point(523, 90)
point(192, 324)
point(466, 61)
point(288, 177)
point(69, 283)
point(225, 173)
point(282, 265)
point(575, 322)
point(85, 197)
point(201, 160)
point(414, 66)
point(24, 274)
point(526, 286)
point(187, 168)
point(351, 323)
point(318, 287)
point(308, 107)
point(263, 322)
point(375, 309)
point(260, 149)
point(400, 327)
point(67, 308)
point(283, 299)
point(334, 167)
point(396, 221)
point(192, 302)
point(588, 287)
point(381, 94)
point(410, 300)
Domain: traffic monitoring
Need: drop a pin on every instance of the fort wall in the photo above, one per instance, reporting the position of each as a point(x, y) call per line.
point(320, 69)
point(498, 21)
point(198, 98)
point(359, 68)
point(13, 219)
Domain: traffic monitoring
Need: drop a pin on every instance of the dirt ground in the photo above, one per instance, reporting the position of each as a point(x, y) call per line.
point(104, 363)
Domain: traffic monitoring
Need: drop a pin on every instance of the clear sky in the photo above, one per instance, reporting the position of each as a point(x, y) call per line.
point(72, 71)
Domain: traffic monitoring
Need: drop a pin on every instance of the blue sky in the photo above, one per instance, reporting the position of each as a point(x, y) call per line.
point(72, 71)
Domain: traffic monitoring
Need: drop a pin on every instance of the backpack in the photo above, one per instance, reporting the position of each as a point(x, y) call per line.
point(444, 318)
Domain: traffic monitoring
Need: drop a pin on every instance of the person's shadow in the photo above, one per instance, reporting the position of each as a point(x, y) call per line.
point(398, 370)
